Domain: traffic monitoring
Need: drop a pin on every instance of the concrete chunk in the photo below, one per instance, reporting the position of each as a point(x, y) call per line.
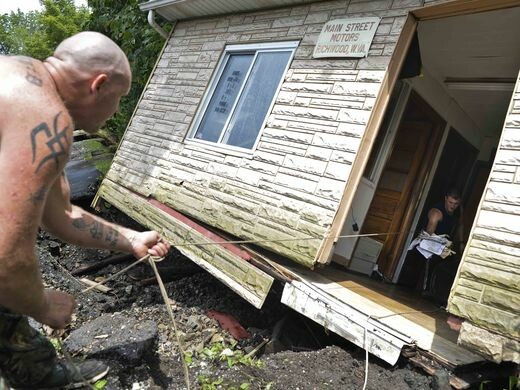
point(117, 334)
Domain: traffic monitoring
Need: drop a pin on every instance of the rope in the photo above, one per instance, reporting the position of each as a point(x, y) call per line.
point(63, 351)
point(365, 333)
point(283, 239)
point(152, 260)
point(144, 258)
point(170, 312)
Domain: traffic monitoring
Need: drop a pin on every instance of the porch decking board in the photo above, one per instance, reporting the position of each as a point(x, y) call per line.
point(389, 305)
point(396, 300)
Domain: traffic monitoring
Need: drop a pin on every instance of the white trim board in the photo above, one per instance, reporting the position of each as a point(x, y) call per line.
point(342, 319)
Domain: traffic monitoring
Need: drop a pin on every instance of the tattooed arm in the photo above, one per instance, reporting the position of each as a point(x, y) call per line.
point(77, 226)
point(34, 148)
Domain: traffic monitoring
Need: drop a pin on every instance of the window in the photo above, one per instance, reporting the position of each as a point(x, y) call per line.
point(241, 94)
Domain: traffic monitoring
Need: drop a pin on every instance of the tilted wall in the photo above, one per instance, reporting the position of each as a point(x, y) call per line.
point(487, 287)
point(291, 186)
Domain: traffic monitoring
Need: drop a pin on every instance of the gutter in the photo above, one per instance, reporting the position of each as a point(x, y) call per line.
point(155, 26)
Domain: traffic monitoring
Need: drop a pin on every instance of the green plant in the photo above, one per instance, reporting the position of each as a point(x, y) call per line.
point(512, 384)
point(95, 148)
point(37, 33)
point(56, 343)
point(232, 356)
point(209, 383)
point(126, 24)
point(100, 384)
point(188, 358)
point(229, 354)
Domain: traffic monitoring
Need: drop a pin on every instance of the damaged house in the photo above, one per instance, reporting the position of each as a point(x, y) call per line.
point(304, 141)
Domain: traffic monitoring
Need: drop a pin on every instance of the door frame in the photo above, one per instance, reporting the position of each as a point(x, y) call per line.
point(438, 11)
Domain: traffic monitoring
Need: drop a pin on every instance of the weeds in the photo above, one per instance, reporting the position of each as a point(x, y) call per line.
point(224, 352)
point(100, 384)
point(231, 356)
point(209, 383)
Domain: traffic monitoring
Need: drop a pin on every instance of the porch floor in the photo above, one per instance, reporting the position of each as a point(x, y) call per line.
point(396, 299)
point(395, 307)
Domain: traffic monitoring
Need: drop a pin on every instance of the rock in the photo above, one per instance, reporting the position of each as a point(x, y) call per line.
point(216, 338)
point(116, 334)
point(193, 322)
point(54, 248)
point(207, 334)
point(199, 347)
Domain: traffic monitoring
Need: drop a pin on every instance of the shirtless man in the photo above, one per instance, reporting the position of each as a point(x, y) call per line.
point(41, 103)
point(419, 273)
point(442, 218)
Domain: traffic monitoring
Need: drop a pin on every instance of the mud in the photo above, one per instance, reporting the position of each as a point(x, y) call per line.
point(304, 355)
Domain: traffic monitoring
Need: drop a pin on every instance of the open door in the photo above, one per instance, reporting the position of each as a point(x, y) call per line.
point(402, 179)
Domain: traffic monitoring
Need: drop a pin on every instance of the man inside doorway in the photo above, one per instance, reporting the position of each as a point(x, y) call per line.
point(443, 217)
point(434, 276)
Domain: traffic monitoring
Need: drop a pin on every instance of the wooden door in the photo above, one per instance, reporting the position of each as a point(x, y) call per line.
point(394, 203)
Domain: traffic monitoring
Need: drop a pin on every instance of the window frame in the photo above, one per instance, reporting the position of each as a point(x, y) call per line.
point(252, 48)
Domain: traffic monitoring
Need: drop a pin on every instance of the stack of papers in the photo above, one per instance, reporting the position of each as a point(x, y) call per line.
point(429, 245)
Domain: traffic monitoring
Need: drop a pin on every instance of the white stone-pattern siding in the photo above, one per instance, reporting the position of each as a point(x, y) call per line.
point(292, 184)
point(487, 289)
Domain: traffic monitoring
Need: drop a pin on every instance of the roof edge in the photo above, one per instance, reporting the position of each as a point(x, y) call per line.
point(154, 4)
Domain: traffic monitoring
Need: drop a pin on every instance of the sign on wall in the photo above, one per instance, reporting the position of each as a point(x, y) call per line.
point(346, 38)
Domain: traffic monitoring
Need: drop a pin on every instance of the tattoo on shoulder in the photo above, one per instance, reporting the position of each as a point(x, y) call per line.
point(56, 141)
point(31, 75)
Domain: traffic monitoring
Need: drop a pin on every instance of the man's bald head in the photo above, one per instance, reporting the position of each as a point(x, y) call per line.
point(91, 53)
point(91, 74)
